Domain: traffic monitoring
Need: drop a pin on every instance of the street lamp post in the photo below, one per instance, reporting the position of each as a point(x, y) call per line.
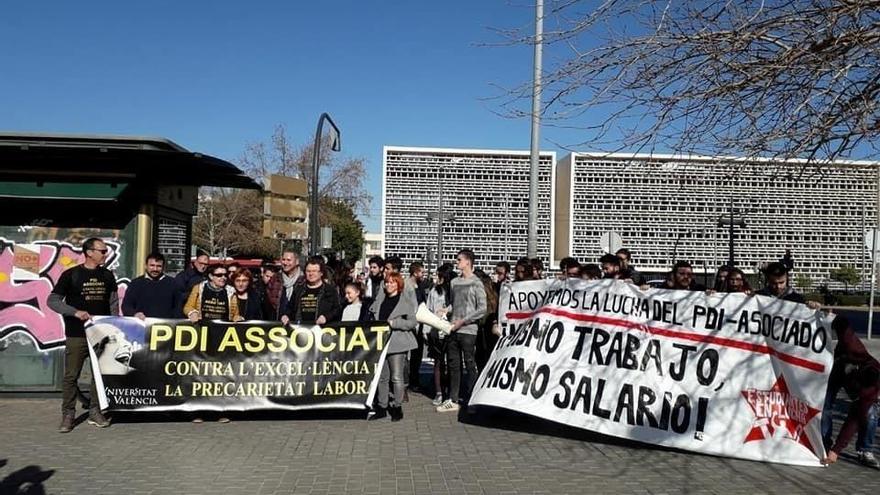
point(440, 216)
point(731, 222)
point(335, 145)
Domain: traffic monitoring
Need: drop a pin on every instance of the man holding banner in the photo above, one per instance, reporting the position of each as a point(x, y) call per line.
point(83, 291)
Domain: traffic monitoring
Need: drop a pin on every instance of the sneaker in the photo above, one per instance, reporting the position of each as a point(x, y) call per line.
point(868, 459)
point(448, 406)
point(223, 419)
point(438, 399)
point(98, 419)
point(198, 420)
point(66, 425)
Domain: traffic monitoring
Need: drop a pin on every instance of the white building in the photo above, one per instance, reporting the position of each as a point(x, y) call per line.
point(667, 207)
point(484, 196)
point(374, 245)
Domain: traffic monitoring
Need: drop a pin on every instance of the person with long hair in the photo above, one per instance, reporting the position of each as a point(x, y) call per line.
point(721, 278)
point(439, 302)
point(354, 309)
point(246, 297)
point(342, 276)
point(736, 281)
point(398, 310)
point(486, 340)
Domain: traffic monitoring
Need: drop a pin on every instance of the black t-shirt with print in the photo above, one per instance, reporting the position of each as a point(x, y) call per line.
point(215, 303)
point(308, 304)
point(86, 290)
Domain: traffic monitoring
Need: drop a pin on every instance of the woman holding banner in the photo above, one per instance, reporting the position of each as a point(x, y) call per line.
point(439, 302)
point(245, 297)
point(399, 311)
point(212, 300)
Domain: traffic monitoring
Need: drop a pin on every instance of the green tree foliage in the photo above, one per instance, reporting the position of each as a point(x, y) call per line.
point(847, 275)
point(348, 231)
point(804, 282)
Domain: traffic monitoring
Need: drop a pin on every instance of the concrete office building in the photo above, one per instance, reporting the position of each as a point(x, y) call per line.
point(484, 195)
point(666, 207)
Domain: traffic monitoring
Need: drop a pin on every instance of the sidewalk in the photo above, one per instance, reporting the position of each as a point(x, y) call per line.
point(330, 453)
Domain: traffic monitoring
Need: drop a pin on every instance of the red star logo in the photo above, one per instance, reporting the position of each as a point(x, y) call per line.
point(778, 413)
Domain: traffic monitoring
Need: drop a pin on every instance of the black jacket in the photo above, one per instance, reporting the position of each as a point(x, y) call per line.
point(255, 309)
point(788, 295)
point(329, 304)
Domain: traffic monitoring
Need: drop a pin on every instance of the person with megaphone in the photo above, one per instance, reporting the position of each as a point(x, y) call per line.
point(398, 309)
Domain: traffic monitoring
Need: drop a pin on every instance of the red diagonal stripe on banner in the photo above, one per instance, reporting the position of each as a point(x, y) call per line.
point(678, 334)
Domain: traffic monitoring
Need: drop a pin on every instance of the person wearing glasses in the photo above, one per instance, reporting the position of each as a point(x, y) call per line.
point(212, 300)
point(83, 291)
point(193, 275)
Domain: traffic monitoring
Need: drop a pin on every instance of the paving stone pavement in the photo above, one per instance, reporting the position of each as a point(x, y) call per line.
point(492, 452)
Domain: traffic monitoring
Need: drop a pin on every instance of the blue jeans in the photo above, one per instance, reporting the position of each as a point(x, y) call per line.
point(393, 372)
point(865, 439)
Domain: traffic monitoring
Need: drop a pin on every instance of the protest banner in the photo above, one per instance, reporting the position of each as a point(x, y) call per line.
point(723, 374)
point(166, 365)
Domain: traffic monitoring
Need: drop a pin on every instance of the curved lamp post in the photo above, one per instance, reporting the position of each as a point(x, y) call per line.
point(335, 145)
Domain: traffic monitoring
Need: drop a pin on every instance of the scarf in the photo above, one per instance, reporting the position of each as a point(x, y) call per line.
point(289, 281)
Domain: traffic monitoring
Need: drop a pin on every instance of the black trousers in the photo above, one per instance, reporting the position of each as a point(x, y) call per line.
point(460, 355)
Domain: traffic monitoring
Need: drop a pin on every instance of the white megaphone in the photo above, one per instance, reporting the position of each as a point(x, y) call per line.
point(426, 316)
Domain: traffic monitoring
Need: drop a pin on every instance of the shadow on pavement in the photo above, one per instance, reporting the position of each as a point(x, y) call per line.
point(26, 481)
point(496, 417)
point(642, 456)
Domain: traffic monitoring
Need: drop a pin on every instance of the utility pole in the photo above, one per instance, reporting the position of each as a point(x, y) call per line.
point(532, 244)
point(874, 261)
point(440, 219)
point(731, 222)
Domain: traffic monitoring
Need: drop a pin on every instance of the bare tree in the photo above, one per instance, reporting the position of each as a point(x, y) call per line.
point(341, 179)
point(229, 221)
point(783, 79)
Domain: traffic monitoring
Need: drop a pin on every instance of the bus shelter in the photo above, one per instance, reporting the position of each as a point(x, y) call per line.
point(139, 194)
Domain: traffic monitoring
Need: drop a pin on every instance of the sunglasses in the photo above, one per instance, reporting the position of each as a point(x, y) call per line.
point(102, 251)
point(219, 275)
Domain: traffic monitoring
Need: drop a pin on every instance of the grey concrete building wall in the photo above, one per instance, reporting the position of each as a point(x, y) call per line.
point(666, 207)
point(485, 191)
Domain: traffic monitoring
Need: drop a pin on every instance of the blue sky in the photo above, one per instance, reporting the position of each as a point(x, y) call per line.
point(214, 76)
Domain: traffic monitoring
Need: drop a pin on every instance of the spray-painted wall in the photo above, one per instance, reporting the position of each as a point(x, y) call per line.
point(32, 259)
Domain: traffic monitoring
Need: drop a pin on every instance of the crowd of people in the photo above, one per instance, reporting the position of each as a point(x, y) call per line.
point(465, 296)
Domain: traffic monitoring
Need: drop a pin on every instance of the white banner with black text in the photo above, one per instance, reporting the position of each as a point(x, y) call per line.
point(724, 374)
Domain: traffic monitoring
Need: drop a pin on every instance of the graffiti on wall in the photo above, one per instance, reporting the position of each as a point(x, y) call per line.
point(28, 272)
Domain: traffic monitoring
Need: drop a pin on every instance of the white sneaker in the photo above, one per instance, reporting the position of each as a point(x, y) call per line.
point(868, 459)
point(448, 406)
point(437, 400)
